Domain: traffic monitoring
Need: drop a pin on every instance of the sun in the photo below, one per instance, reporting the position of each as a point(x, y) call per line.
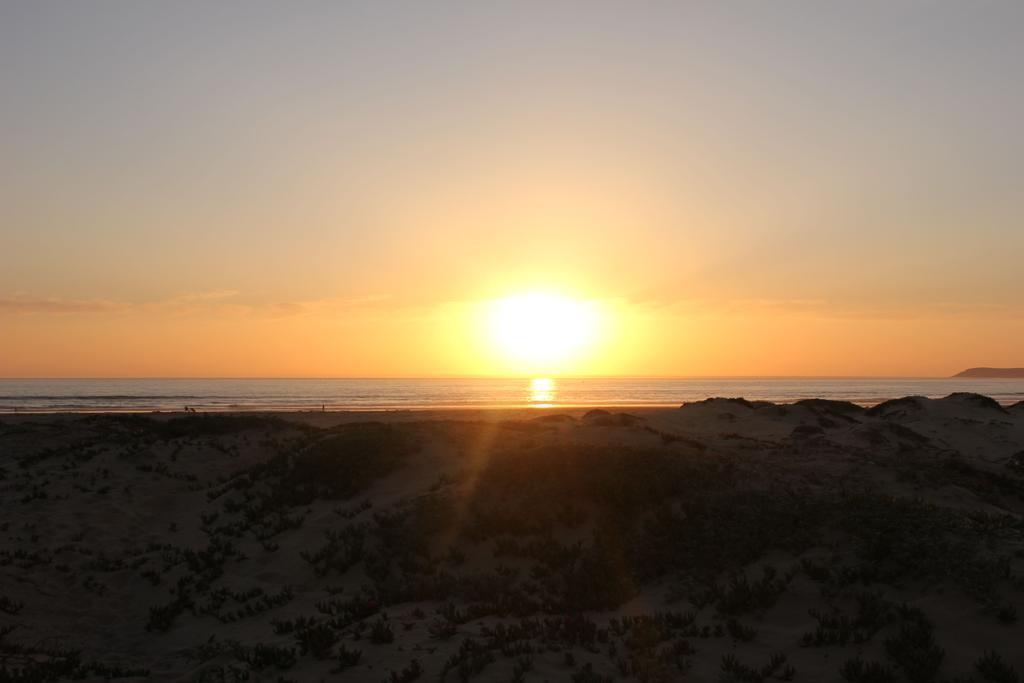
point(542, 330)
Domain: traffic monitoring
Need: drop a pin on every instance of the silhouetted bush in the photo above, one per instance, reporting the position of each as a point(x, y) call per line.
point(859, 671)
point(994, 669)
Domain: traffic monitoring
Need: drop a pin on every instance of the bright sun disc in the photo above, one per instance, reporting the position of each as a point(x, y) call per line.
point(541, 328)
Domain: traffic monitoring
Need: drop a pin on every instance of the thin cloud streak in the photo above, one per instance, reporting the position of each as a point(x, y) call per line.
point(220, 302)
point(822, 308)
point(30, 306)
point(232, 303)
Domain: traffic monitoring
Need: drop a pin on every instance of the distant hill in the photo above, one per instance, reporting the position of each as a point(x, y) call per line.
point(993, 373)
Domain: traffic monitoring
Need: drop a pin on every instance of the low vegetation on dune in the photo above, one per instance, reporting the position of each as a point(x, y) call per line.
point(232, 548)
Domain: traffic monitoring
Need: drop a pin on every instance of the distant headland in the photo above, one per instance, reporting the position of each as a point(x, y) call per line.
point(993, 373)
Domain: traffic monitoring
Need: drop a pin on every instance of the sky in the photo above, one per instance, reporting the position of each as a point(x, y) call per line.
point(338, 189)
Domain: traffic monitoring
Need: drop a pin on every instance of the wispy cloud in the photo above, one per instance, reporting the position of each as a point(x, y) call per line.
point(221, 302)
point(28, 305)
point(299, 308)
point(232, 303)
point(839, 307)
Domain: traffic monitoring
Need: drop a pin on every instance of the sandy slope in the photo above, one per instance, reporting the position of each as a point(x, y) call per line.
point(220, 548)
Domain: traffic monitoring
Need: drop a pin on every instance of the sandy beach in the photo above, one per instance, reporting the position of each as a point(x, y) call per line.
point(723, 540)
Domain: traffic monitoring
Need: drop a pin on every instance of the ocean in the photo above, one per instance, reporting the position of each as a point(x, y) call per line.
point(105, 395)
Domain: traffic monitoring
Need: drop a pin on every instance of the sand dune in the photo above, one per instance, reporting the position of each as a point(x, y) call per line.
point(723, 540)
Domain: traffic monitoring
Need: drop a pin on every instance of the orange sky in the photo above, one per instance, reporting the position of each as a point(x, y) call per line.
point(367, 339)
point(338, 190)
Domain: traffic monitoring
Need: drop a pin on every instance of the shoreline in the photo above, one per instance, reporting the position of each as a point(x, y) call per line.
point(383, 396)
point(457, 408)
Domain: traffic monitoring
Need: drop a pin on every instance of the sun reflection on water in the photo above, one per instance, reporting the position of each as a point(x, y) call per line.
point(542, 392)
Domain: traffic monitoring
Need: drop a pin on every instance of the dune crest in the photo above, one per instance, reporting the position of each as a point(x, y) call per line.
point(811, 541)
